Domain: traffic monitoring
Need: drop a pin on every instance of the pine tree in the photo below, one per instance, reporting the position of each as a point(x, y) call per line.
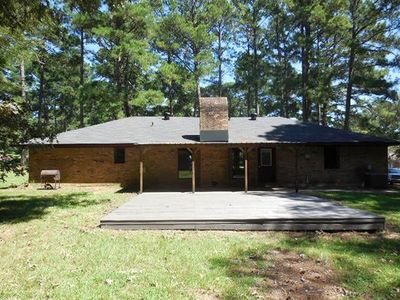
point(83, 13)
point(223, 18)
point(190, 28)
point(250, 64)
point(283, 80)
point(18, 23)
point(369, 44)
point(124, 57)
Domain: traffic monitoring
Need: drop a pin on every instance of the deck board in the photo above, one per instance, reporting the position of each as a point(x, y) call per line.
point(256, 210)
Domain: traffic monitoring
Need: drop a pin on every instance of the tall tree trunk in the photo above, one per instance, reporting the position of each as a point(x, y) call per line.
point(64, 119)
point(286, 105)
point(54, 109)
point(349, 90)
point(127, 108)
point(350, 68)
point(324, 115)
point(318, 74)
point(198, 96)
point(22, 80)
point(170, 88)
point(170, 99)
point(318, 109)
point(197, 80)
point(286, 93)
point(248, 83)
point(41, 91)
point(281, 73)
point(219, 57)
point(305, 67)
point(255, 63)
point(118, 79)
point(81, 79)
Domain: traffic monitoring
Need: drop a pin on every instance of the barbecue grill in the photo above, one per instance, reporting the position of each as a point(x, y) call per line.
point(47, 177)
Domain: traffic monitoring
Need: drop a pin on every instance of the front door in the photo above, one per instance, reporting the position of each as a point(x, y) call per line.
point(266, 165)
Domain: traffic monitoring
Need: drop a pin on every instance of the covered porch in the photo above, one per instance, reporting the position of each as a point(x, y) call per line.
point(256, 166)
point(213, 167)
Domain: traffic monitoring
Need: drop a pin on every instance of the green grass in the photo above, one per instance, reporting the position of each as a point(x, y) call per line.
point(366, 264)
point(51, 247)
point(13, 180)
point(384, 204)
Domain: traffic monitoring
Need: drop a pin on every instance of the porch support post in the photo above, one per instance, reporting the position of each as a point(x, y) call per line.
point(141, 177)
point(296, 169)
point(141, 172)
point(246, 173)
point(193, 175)
point(192, 152)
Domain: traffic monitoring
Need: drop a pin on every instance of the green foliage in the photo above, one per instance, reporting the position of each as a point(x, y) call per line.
point(124, 58)
point(379, 117)
point(387, 205)
point(184, 42)
point(16, 128)
point(148, 98)
point(72, 63)
point(251, 68)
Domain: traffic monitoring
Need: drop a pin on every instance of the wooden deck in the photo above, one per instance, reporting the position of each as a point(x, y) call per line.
point(256, 210)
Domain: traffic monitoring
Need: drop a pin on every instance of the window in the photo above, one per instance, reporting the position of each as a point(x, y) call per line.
point(184, 164)
point(265, 157)
point(331, 157)
point(119, 155)
point(237, 163)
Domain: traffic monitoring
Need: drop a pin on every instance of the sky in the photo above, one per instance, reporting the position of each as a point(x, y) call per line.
point(229, 76)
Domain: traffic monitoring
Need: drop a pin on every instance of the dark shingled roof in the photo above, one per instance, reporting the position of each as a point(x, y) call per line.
point(185, 130)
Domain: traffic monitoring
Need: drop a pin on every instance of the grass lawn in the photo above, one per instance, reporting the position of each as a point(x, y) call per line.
point(51, 247)
point(384, 204)
point(13, 180)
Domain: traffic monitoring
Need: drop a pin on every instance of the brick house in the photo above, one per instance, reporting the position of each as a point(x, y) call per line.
point(210, 152)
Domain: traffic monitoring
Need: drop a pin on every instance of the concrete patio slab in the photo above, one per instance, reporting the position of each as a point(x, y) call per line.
point(255, 210)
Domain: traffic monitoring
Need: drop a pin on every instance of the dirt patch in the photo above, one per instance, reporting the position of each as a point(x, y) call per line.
point(351, 235)
point(295, 276)
point(207, 295)
point(6, 235)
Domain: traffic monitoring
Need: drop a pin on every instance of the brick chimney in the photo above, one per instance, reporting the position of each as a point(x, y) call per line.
point(214, 119)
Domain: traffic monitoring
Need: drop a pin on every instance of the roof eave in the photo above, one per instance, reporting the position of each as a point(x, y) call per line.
point(322, 143)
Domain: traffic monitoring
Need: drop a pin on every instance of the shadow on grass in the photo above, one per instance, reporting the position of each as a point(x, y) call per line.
point(246, 269)
point(367, 264)
point(9, 186)
point(21, 208)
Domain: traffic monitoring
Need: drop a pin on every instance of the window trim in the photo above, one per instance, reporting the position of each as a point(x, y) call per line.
point(116, 158)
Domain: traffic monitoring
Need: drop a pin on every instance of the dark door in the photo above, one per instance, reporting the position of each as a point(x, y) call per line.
point(266, 165)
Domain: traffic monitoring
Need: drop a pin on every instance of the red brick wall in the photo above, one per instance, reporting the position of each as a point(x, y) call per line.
point(96, 165)
point(85, 165)
point(353, 159)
